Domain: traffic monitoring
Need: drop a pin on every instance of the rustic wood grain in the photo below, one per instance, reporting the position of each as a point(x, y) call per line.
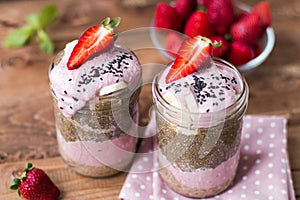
point(71, 185)
point(27, 131)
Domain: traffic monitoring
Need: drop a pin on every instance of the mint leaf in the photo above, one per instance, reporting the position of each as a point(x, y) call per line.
point(33, 21)
point(45, 42)
point(19, 37)
point(36, 23)
point(47, 15)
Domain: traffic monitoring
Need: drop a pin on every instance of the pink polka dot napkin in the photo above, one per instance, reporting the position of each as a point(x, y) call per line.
point(263, 172)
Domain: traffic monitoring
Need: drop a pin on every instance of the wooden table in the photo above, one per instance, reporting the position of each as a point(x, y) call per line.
point(27, 130)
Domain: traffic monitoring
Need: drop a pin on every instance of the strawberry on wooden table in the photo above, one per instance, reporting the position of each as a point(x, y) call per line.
point(95, 39)
point(34, 184)
point(193, 54)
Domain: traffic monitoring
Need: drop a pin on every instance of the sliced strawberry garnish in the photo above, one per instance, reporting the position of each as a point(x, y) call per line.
point(95, 39)
point(194, 53)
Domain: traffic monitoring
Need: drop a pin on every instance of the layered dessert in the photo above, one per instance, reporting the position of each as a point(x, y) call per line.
point(199, 122)
point(96, 103)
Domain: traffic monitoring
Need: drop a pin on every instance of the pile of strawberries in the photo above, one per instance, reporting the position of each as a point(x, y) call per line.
point(238, 31)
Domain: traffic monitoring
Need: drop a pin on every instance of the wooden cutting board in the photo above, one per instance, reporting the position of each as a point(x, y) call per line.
point(72, 185)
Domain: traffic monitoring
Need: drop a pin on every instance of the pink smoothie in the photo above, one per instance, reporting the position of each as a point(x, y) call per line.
point(121, 151)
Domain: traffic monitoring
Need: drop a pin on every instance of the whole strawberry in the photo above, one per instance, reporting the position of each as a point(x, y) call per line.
point(248, 29)
point(223, 49)
point(34, 184)
point(240, 53)
point(197, 24)
point(167, 17)
point(184, 8)
point(264, 12)
point(220, 14)
point(173, 43)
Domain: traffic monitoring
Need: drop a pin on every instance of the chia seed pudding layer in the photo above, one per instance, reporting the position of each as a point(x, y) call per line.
point(199, 121)
point(101, 123)
point(200, 182)
point(96, 110)
point(207, 149)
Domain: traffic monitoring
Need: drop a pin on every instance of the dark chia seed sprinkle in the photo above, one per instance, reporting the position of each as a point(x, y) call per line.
point(70, 79)
point(65, 92)
point(71, 107)
point(74, 98)
point(233, 80)
point(61, 108)
point(62, 99)
point(113, 67)
point(204, 88)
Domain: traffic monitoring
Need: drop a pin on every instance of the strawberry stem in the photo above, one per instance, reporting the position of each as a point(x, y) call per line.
point(201, 7)
point(110, 24)
point(14, 184)
point(207, 40)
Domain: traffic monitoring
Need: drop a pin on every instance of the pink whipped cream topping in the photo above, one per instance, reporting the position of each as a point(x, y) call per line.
point(206, 178)
point(75, 88)
point(204, 91)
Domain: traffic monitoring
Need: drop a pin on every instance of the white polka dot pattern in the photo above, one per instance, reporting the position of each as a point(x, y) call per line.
point(263, 173)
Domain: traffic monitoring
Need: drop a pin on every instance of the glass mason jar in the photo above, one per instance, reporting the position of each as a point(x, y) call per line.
point(198, 153)
point(100, 139)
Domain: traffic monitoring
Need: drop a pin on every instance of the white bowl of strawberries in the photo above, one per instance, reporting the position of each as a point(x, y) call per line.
point(245, 32)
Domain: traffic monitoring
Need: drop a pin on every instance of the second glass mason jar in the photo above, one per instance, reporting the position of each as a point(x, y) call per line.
point(198, 144)
point(99, 138)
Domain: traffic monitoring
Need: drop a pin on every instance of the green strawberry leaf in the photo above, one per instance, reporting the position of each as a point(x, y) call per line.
point(19, 37)
point(115, 22)
point(45, 42)
point(47, 15)
point(14, 184)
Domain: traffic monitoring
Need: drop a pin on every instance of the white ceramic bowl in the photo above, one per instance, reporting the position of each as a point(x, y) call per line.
point(158, 37)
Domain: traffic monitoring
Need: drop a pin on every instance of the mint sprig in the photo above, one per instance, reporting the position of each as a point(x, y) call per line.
point(35, 26)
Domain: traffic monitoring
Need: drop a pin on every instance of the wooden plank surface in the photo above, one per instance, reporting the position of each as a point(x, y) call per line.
point(27, 131)
point(71, 185)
